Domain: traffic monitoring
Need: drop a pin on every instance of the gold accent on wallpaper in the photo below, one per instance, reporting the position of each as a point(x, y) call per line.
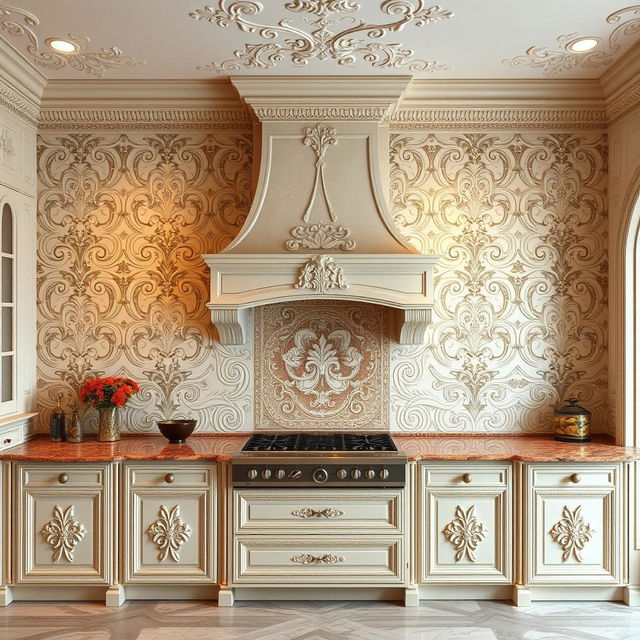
point(122, 288)
point(321, 365)
point(521, 294)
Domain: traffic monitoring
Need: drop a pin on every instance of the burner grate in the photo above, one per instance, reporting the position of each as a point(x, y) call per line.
point(320, 442)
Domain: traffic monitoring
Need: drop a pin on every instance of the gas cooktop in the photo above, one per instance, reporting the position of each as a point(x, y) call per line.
point(298, 442)
point(314, 459)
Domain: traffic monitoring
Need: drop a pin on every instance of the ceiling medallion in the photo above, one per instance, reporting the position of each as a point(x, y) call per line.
point(565, 57)
point(21, 24)
point(325, 37)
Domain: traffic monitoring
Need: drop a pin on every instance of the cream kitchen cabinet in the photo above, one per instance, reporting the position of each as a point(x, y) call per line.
point(574, 529)
point(464, 523)
point(315, 537)
point(169, 523)
point(63, 524)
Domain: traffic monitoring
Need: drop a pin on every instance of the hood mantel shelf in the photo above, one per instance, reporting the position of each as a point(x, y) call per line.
point(319, 227)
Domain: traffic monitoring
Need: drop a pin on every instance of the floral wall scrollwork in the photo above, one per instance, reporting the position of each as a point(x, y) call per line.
point(521, 294)
point(122, 287)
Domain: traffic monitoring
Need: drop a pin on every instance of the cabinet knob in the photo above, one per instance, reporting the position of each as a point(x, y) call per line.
point(575, 478)
point(169, 478)
point(466, 478)
point(63, 478)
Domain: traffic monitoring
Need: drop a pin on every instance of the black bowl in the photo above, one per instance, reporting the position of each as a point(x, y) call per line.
point(176, 431)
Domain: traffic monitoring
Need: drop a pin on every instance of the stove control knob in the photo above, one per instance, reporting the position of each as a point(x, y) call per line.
point(384, 473)
point(280, 474)
point(252, 474)
point(355, 474)
point(341, 473)
point(266, 473)
point(320, 475)
point(295, 474)
point(370, 473)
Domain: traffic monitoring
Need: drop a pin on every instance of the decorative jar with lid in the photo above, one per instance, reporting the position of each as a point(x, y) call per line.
point(572, 422)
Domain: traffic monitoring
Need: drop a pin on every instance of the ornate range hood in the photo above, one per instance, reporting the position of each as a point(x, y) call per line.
point(319, 226)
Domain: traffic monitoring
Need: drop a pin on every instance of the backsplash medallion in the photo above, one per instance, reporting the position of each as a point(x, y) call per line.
point(322, 366)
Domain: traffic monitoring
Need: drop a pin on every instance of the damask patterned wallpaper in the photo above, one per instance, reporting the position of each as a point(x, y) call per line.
point(521, 315)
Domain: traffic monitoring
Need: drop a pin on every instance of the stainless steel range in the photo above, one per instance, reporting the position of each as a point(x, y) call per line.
point(328, 460)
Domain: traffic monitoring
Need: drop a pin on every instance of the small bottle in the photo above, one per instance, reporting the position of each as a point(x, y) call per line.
point(56, 422)
point(74, 428)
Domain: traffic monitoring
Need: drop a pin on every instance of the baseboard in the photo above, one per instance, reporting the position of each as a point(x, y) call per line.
point(171, 592)
point(319, 593)
point(577, 592)
point(58, 593)
point(465, 592)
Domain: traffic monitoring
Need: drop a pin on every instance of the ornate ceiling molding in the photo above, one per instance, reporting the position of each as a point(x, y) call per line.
point(157, 119)
point(320, 38)
point(22, 24)
point(497, 118)
point(623, 104)
point(16, 102)
point(553, 62)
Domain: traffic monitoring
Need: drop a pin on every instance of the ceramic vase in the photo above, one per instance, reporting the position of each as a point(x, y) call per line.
point(109, 424)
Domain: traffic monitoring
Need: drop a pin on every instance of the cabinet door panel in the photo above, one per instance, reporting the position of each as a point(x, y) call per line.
point(464, 533)
point(63, 532)
point(170, 530)
point(574, 531)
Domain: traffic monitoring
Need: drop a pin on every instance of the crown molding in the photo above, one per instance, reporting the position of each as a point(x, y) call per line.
point(621, 85)
point(141, 105)
point(21, 85)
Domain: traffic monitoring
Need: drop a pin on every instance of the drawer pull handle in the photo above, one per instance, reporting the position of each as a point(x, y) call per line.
point(7, 440)
point(63, 478)
point(169, 478)
point(575, 478)
point(307, 558)
point(308, 512)
point(466, 478)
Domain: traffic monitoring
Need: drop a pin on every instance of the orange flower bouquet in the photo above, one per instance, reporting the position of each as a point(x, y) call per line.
point(103, 393)
point(108, 395)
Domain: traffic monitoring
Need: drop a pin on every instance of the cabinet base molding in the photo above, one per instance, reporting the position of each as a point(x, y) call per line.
point(412, 597)
point(632, 596)
point(171, 592)
point(521, 596)
point(577, 592)
point(318, 593)
point(226, 598)
point(115, 596)
point(464, 592)
point(58, 593)
point(6, 596)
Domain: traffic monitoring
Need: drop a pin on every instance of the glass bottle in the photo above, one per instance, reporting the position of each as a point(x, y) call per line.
point(74, 428)
point(56, 422)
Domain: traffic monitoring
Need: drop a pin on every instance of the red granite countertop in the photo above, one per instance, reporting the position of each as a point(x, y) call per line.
point(416, 447)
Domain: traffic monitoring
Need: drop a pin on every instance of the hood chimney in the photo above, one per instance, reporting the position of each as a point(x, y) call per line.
point(319, 225)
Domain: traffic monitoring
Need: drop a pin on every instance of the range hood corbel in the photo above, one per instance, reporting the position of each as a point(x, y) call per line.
point(319, 226)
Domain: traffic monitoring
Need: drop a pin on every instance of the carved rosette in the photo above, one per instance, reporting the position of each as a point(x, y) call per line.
point(321, 274)
point(169, 532)
point(308, 558)
point(572, 533)
point(308, 512)
point(465, 533)
point(63, 532)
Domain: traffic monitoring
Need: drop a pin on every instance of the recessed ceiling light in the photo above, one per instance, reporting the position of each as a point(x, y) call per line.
point(62, 46)
point(580, 45)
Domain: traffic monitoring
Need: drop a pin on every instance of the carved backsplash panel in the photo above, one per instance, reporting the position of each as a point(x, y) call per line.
point(520, 320)
point(521, 293)
point(322, 365)
point(123, 221)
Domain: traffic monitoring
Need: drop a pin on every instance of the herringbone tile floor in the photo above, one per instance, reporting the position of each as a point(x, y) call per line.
point(434, 620)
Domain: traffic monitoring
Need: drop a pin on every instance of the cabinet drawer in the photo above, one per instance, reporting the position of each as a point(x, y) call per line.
point(467, 474)
point(573, 475)
point(62, 475)
point(11, 438)
point(317, 511)
point(170, 475)
point(316, 561)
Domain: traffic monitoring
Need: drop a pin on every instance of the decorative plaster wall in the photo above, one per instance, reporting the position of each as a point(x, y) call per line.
point(123, 221)
point(521, 314)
